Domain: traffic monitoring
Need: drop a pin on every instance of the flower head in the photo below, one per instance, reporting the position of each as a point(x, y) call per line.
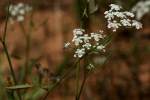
point(115, 7)
point(136, 24)
point(117, 18)
point(90, 66)
point(86, 42)
point(79, 52)
point(141, 8)
point(18, 11)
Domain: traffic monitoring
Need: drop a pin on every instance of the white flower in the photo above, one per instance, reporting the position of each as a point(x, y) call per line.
point(136, 24)
point(141, 8)
point(117, 18)
point(79, 53)
point(119, 14)
point(114, 25)
point(22, 11)
point(129, 14)
point(115, 7)
point(78, 31)
point(109, 15)
point(87, 46)
point(20, 18)
point(66, 45)
point(126, 22)
point(90, 67)
point(18, 11)
point(20, 5)
point(14, 13)
point(101, 47)
point(85, 38)
point(77, 36)
point(97, 36)
point(77, 40)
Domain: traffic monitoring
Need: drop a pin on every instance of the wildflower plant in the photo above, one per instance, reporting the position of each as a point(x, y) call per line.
point(88, 43)
point(84, 44)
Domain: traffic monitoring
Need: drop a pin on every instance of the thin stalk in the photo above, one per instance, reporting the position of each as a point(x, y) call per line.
point(10, 66)
point(82, 85)
point(9, 61)
point(77, 80)
point(27, 39)
point(85, 73)
point(6, 23)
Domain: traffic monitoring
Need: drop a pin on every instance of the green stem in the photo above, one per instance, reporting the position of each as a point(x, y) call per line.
point(27, 38)
point(77, 80)
point(9, 61)
point(82, 85)
point(6, 23)
point(85, 73)
point(83, 13)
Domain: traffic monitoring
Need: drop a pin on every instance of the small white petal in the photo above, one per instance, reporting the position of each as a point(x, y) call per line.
point(20, 18)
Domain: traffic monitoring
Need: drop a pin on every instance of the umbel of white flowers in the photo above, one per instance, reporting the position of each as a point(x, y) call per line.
point(141, 8)
point(86, 42)
point(18, 11)
point(117, 18)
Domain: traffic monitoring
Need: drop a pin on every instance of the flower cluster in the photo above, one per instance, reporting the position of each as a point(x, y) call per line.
point(141, 8)
point(90, 66)
point(86, 42)
point(18, 11)
point(117, 18)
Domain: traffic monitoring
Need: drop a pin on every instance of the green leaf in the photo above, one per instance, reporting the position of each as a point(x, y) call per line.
point(25, 86)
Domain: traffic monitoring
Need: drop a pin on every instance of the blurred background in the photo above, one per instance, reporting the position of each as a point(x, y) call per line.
point(124, 76)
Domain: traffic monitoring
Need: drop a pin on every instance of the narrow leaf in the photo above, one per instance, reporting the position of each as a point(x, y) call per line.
point(25, 86)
